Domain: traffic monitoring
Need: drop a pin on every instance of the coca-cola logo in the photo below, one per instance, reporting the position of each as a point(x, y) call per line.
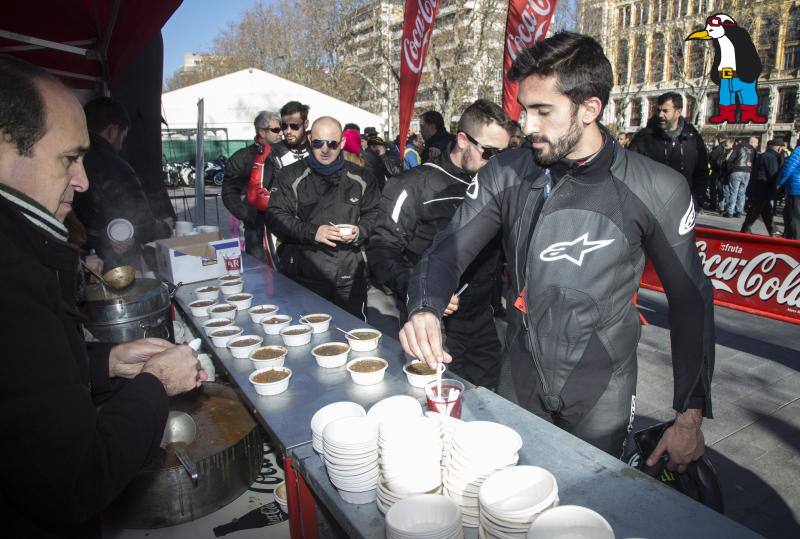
point(530, 27)
point(414, 47)
point(761, 275)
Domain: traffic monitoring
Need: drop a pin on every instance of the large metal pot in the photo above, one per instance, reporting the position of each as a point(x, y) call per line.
point(143, 310)
point(227, 451)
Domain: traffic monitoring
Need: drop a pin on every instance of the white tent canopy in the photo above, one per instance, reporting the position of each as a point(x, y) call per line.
point(232, 102)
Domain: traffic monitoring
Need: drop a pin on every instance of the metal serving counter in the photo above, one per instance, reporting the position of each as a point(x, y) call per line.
point(633, 503)
point(287, 417)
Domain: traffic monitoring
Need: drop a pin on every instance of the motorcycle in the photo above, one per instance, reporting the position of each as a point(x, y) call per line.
point(215, 171)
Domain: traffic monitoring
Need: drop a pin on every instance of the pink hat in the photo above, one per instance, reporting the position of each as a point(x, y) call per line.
point(352, 141)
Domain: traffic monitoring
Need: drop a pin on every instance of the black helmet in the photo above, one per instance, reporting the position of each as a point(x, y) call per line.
point(699, 481)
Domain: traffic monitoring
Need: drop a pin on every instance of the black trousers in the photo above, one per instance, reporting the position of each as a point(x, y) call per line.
point(760, 207)
point(351, 297)
point(473, 343)
point(254, 241)
point(791, 217)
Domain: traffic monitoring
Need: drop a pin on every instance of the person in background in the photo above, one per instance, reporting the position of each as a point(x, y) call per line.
point(309, 195)
point(237, 175)
point(762, 187)
point(717, 160)
point(624, 139)
point(435, 135)
point(789, 183)
point(79, 420)
point(116, 192)
point(411, 157)
point(671, 140)
point(378, 160)
point(351, 146)
point(415, 206)
point(739, 166)
point(516, 137)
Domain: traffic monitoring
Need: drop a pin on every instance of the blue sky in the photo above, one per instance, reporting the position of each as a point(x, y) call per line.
point(194, 25)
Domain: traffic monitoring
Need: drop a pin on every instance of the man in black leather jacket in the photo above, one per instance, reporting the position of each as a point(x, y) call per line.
point(437, 137)
point(307, 196)
point(579, 218)
point(415, 206)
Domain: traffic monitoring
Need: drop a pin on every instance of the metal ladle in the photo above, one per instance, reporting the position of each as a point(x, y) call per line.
point(180, 432)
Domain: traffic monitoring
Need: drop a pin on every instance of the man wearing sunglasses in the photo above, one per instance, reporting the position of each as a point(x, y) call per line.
point(323, 208)
point(579, 216)
point(236, 177)
point(418, 203)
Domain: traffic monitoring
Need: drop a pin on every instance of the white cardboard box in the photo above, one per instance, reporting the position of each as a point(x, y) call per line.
point(189, 259)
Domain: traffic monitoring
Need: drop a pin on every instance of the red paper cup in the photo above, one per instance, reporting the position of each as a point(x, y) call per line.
point(233, 264)
point(446, 404)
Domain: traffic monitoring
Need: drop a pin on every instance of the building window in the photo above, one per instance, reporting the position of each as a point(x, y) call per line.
point(712, 105)
point(636, 112)
point(657, 58)
point(663, 9)
point(676, 57)
point(793, 28)
point(652, 107)
point(622, 62)
point(645, 10)
point(787, 102)
point(619, 109)
point(689, 108)
point(696, 59)
point(763, 102)
point(638, 67)
point(791, 57)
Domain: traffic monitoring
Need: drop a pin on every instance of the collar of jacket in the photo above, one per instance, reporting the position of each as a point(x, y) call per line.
point(444, 161)
point(98, 143)
point(593, 169)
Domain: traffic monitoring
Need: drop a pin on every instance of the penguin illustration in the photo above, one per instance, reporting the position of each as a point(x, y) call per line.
point(735, 69)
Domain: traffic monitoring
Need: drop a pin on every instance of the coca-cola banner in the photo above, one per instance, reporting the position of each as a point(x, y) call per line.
point(417, 31)
point(527, 22)
point(755, 274)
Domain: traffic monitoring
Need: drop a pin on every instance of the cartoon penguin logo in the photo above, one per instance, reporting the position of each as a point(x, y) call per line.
point(735, 69)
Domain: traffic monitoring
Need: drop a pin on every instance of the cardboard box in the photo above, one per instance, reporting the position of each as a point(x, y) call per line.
point(189, 259)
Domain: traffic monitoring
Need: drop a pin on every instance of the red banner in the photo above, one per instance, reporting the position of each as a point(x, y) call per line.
point(417, 31)
point(754, 274)
point(527, 22)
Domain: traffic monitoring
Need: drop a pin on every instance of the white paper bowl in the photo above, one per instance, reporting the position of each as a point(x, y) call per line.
point(328, 413)
point(232, 287)
point(347, 231)
point(222, 340)
point(281, 498)
point(200, 307)
point(119, 230)
point(209, 329)
point(570, 521)
point(367, 378)
point(331, 361)
point(364, 345)
point(257, 316)
point(266, 363)
point(271, 388)
point(207, 292)
point(230, 278)
point(242, 300)
point(296, 340)
point(228, 313)
point(518, 492)
point(430, 512)
point(418, 380)
point(241, 352)
point(318, 327)
point(275, 329)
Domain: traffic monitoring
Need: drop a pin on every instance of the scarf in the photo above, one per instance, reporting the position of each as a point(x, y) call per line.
point(325, 170)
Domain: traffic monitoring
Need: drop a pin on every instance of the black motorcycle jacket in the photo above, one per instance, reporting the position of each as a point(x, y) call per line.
point(414, 206)
point(234, 185)
point(576, 238)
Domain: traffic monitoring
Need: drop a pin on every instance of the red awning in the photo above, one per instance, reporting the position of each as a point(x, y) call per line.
point(88, 43)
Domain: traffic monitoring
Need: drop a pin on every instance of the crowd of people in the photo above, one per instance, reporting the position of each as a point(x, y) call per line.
point(555, 203)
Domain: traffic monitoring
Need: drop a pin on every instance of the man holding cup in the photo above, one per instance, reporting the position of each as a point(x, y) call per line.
point(322, 209)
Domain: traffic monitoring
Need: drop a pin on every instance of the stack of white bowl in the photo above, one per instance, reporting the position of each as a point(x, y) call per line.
point(510, 500)
point(424, 516)
point(448, 425)
point(570, 521)
point(395, 408)
point(326, 414)
point(410, 459)
point(351, 457)
point(479, 448)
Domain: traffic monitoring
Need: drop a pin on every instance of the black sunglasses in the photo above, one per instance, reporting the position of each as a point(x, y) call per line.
point(295, 127)
point(275, 130)
point(332, 144)
point(487, 153)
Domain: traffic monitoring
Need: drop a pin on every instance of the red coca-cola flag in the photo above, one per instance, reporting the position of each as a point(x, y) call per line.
point(754, 274)
point(527, 23)
point(417, 31)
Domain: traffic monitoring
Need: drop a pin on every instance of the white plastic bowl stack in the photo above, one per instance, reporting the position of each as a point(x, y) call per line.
point(395, 408)
point(478, 449)
point(510, 500)
point(570, 521)
point(448, 425)
point(351, 457)
point(326, 414)
point(424, 516)
point(410, 459)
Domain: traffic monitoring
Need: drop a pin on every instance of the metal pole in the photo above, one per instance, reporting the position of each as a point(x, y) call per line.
point(199, 170)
